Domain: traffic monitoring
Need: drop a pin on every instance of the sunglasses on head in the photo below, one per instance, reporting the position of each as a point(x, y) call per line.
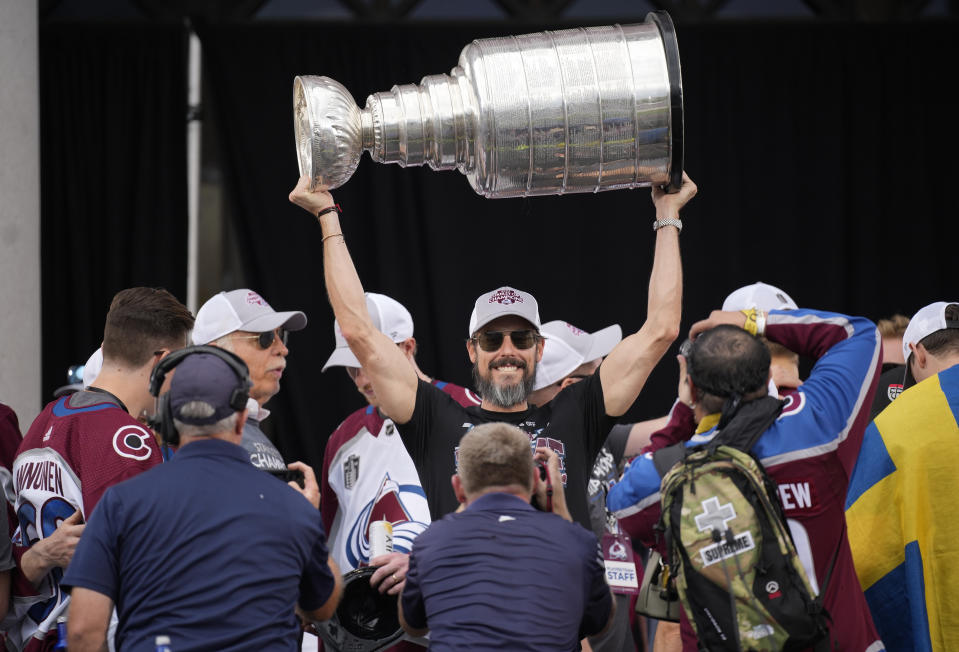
point(265, 339)
point(492, 340)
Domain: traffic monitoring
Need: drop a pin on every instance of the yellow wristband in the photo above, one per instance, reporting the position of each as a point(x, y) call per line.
point(750, 326)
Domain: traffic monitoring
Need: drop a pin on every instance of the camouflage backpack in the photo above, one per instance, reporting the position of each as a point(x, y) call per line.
point(739, 578)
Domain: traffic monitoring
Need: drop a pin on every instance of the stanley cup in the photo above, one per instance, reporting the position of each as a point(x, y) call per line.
point(577, 110)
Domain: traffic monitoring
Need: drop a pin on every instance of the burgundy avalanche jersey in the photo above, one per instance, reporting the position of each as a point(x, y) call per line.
point(10, 439)
point(79, 446)
point(809, 452)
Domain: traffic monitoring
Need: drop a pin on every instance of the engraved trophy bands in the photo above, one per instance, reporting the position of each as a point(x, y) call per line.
point(577, 110)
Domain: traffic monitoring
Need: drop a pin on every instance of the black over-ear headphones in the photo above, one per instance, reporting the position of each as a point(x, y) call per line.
point(162, 421)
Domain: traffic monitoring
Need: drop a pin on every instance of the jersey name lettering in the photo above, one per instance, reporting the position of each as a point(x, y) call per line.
point(45, 475)
point(795, 495)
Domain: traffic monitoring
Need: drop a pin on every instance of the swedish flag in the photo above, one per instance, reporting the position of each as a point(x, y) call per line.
point(902, 517)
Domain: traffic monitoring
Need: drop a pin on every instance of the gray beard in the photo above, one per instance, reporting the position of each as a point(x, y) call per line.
point(504, 396)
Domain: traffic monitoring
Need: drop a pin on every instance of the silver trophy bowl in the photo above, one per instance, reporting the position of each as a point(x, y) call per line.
point(576, 110)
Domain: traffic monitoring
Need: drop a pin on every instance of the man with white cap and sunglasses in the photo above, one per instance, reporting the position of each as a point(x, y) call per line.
point(367, 473)
point(242, 322)
point(504, 344)
point(900, 507)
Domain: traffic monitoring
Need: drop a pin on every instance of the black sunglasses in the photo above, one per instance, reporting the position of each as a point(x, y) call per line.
point(266, 338)
point(492, 340)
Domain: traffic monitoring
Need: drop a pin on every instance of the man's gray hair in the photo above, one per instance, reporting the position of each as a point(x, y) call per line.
point(202, 410)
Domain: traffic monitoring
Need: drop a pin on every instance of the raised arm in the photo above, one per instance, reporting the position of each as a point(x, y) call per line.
point(392, 376)
point(625, 370)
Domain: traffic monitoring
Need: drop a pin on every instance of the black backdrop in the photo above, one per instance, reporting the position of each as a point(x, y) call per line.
point(113, 177)
point(824, 154)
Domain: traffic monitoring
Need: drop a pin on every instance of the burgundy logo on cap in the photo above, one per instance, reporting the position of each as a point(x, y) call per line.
point(254, 299)
point(574, 330)
point(506, 297)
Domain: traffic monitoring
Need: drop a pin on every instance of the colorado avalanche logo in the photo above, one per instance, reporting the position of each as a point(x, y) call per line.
point(795, 402)
point(506, 297)
point(617, 551)
point(255, 299)
point(574, 330)
point(397, 504)
point(132, 442)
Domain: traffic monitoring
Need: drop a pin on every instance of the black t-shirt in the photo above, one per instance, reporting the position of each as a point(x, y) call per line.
point(890, 385)
point(574, 424)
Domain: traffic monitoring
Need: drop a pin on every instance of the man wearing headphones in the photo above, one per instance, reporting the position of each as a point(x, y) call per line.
point(206, 549)
point(242, 322)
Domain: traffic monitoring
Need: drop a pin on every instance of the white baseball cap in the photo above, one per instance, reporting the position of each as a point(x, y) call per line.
point(927, 321)
point(500, 303)
point(389, 317)
point(761, 296)
point(92, 367)
point(567, 347)
point(84, 373)
point(241, 310)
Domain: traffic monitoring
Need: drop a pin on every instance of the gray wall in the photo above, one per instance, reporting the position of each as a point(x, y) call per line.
point(19, 210)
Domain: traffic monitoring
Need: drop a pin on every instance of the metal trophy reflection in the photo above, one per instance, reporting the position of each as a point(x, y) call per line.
point(577, 110)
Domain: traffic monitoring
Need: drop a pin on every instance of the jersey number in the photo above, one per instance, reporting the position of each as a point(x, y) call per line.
point(51, 514)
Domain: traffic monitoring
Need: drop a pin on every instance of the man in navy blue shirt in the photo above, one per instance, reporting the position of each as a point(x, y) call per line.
point(501, 573)
point(206, 549)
